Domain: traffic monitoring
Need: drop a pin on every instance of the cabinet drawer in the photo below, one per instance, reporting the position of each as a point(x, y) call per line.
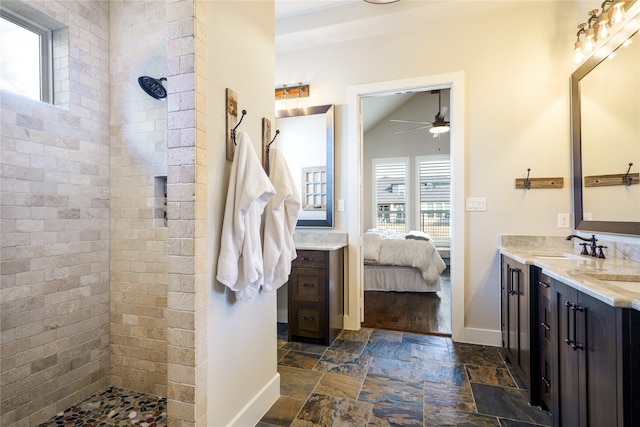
point(544, 321)
point(545, 377)
point(309, 320)
point(544, 286)
point(308, 284)
point(310, 259)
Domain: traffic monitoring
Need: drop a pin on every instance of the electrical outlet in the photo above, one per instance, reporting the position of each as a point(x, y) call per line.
point(476, 204)
point(563, 220)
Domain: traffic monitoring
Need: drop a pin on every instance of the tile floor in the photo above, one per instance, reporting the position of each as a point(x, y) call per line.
point(114, 407)
point(384, 378)
point(370, 378)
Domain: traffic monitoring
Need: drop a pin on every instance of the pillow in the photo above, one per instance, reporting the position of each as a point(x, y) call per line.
point(417, 235)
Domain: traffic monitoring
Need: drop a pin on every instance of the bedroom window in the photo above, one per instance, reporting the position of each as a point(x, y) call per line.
point(434, 216)
point(390, 200)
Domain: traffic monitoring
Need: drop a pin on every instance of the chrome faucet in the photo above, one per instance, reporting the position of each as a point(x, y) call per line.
point(592, 245)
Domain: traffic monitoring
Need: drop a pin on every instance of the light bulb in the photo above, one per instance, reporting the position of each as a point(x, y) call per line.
point(439, 129)
point(589, 40)
point(616, 13)
point(603, 27)
point(578, 55)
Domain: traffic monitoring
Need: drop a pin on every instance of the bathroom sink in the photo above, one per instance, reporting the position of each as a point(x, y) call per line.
point(607, 277)
point(629, 282)
point(558, 256)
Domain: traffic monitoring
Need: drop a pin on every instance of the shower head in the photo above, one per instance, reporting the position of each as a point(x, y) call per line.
point(153, 87)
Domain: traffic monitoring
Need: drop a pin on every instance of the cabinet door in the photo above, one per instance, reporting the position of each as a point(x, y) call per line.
point(598, 338)
point(565, 383)
point(510, 312)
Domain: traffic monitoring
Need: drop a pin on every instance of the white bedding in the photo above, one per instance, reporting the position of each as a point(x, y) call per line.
point(388, 278)
point(386, 247)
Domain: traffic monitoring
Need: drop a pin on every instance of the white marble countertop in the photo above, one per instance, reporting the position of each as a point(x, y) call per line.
point(319, 240)
point(602, 279)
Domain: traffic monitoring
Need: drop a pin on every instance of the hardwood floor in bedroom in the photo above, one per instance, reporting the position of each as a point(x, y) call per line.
point(425, 313)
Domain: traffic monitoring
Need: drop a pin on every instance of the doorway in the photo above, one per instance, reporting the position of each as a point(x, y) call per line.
point(355, 296)
point(407, 189)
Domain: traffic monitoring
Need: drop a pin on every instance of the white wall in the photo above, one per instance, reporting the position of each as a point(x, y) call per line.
point(243, 380)
point(517, 115)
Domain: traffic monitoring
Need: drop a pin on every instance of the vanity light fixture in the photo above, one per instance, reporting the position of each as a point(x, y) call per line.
point(298, 91)
point(381, 1)
point(597, 27)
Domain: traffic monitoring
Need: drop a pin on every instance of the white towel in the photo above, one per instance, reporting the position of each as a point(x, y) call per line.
point(240, 261)
point(280, 217)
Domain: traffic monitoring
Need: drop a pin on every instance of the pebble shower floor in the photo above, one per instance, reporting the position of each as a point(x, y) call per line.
point(114, 407)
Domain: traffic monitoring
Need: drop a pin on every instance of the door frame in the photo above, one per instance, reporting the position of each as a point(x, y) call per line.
point(354, 297)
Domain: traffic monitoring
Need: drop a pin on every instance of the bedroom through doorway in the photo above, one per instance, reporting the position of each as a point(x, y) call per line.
point(406, 212)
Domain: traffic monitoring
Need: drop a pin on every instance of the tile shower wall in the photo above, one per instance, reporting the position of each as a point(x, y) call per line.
point(138, 337)
point(54, 163)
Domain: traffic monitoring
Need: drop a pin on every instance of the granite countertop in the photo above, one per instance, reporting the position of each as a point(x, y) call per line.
point(319, 240)
point(614, 281)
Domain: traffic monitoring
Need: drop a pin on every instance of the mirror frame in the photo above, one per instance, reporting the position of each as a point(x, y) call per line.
point(328, 111)
point(630, 27)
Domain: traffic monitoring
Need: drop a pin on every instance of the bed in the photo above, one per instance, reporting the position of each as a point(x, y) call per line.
point(396, 262)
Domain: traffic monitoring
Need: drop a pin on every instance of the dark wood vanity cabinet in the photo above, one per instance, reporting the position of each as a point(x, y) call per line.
point(595, 380)
point(516, 316)
point(315, 300)
point(541, 382)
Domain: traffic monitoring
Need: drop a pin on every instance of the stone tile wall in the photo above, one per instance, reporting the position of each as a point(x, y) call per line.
point(54, 242)
point(138, 338)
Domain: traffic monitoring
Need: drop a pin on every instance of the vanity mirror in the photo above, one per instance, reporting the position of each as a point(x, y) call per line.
point(306, 141)
point(605, 125)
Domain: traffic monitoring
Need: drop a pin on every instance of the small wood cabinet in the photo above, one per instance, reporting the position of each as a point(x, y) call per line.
point(595, 352)
point(541, 377)
point(516, 322)
point(315, 300)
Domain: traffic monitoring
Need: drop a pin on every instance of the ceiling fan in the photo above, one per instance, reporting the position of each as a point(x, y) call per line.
point(438, 126)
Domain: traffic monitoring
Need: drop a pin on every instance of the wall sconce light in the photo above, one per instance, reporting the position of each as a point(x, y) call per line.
point(597, 27)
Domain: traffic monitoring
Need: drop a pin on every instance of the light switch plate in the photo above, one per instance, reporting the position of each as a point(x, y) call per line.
point(476, 204)
point(340, 205)
point(563, 220)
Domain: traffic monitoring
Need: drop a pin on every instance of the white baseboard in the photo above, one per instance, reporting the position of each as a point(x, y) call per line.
point(259, 405)
point(483, 337)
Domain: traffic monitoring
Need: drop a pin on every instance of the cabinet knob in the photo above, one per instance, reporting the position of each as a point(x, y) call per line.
point(310, 319)
point(308, 285)
point(541, 283)
point(304, 258)
point(546, 326)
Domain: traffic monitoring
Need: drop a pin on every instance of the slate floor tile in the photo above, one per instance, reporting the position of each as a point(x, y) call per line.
point(507, 402)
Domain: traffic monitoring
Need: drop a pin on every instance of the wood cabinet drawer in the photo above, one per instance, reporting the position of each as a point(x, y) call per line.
point(309, 284)
point(544, 321)
point(309, 259)
point(544, 286)
point(545, 377)
point(309, 320)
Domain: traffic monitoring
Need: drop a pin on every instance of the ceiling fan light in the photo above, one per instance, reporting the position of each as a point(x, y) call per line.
point(437, 129)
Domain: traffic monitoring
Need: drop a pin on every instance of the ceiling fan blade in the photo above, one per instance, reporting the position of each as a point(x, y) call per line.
point(409, 121)
point(412, 129)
